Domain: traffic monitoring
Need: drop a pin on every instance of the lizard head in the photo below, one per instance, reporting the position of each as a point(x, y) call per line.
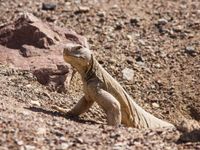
point(78, 56)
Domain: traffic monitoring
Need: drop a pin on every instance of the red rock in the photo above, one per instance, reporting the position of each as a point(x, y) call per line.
point(30, 44)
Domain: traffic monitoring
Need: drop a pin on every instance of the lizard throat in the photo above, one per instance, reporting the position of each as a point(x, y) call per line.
point(90, 72)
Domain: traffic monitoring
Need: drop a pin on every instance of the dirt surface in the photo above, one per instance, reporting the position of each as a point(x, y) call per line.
point(158, 39)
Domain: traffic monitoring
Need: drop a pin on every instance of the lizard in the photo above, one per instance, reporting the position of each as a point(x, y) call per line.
point(100, 87)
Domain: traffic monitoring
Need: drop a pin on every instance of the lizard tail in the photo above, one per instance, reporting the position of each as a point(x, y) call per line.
point(144, 119)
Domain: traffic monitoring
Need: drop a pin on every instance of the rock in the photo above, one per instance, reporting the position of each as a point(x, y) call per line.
point(82, 9)
point(101, 14)
point(112, 61)
point(190, 50)
point(41, 131)
point(129, 37)
point(129, 60)
point(79, 140)
point(135, 22)
point(29, 51)
point(139, 58)
point(142, 42)
point(48, 6)
point(19, 142)
point(118, 26)
point(178, 28)
point(64, 146)
point(155, 105)
point(36, 103)
point(29, 147)
point(128, 74)
point(30, 44)
point(119, 146)
point(162, 21)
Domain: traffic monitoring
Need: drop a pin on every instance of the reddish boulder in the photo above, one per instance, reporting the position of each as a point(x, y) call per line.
point(30, 44)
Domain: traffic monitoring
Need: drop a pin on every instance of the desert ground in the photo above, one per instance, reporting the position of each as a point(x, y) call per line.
point(158, 40)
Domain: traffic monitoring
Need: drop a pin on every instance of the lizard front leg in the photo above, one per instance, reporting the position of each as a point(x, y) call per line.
point(109, 104)
point(82, 106)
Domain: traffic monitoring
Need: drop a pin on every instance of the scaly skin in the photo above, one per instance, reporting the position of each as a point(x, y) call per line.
point(99, 86)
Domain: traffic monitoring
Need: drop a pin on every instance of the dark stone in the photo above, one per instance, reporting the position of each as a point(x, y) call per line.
point(48, 6)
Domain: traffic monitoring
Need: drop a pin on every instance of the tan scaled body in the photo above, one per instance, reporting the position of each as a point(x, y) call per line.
point(100, 87)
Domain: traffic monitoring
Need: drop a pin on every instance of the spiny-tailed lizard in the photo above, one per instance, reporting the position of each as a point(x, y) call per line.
point(100, 87)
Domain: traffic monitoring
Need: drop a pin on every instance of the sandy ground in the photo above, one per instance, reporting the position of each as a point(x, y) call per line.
point(158, 40)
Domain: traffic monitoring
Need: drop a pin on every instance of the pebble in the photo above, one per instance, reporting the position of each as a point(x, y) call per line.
point(118, 26)
point(157, 65)
point(79, 140)
point(178, 28)
point(41, 131)
point(112, 61)
point(101, 14)
point(190, 50)
point(63, 146)
point(19, 142)
point(155, 105)
point(28, 85)
point(48, 6)
point(135, 21)
point(128, 74)
point(36, 103)
point(129, 60)
point(29, 147)
point(129, 37)
point(83, 9)
point(119, 146)
point(162, 21)
point(142, 42)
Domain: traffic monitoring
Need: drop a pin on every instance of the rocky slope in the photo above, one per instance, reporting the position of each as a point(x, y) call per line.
point(158, 41)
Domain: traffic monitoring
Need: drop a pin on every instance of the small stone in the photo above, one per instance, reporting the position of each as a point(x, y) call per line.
point(162, 21)
point(28, 85)
point(36, 103)
point(29, 147)
point(128, 74)
point(129, 37)
point(79, 140)
point(41, 131)
point(112, 61)
point(48, 6)
point(139, 59)
point(118, 26)
point(157, 65)
point(19, 142)
point(135, 22)
point(142, 42)
point(178, 28)
point(115, 6)
point(155, 105)
point(101, 14)
point(64, 146)
point(62, 138)
point(190, 50)
point(82, 9)
point(119, 146)
point(129, 60)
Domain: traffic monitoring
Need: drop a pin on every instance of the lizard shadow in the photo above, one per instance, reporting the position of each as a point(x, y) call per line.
point(58, 114)
point(193, 136)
